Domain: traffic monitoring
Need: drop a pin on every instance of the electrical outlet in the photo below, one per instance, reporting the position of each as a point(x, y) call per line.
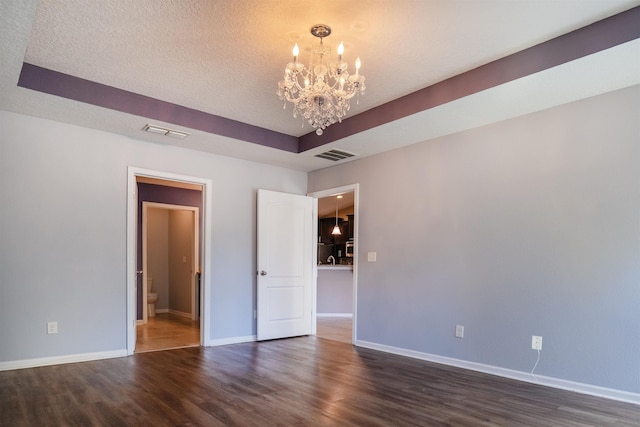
point(459, 331)
point(536, 342)
point(52, 328)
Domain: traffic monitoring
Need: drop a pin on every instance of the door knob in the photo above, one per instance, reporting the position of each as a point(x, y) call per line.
point(263, 273)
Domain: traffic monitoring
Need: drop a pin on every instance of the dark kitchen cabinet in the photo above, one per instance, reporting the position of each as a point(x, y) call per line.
point(325, 227)
point(350, 223)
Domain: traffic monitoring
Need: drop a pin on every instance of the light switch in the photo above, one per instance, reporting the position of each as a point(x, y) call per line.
point(52, 328)
point(371, 256)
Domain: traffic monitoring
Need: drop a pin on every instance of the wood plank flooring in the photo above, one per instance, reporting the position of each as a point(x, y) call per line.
point(305, 381)
point(335, 328)
point(167, 331)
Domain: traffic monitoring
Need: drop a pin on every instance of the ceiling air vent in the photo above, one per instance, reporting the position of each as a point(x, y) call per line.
point(335, 155)
point(163, 131)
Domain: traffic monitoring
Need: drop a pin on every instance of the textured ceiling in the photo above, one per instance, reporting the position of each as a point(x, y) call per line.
point(225, 58)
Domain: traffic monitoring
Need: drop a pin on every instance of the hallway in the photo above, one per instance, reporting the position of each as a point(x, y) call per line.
point(166, 331)
point(335, 328)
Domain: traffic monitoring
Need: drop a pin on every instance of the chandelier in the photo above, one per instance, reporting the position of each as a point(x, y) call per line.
point(321, 93)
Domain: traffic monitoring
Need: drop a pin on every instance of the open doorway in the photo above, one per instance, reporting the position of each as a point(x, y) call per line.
point(198, 213)
point(171, 271)
point(337, 263)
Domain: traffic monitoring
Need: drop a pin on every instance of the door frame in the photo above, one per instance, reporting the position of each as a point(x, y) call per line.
point(195, 261)
point(355, 188)
point(132, 214)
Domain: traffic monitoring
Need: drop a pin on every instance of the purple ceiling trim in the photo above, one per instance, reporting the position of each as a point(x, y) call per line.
point(593, 38)
point(71, 87)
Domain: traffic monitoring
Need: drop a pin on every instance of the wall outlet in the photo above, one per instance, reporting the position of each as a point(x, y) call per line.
point(459, 331)
point(52, 328)
point(372, 256)
point(536, 342)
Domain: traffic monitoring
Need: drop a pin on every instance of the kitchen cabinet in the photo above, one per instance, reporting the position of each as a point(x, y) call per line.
point(329, 244)
point(350, 227)
point(325, 227)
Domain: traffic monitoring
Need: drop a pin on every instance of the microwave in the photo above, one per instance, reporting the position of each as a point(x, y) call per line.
point(348, 249)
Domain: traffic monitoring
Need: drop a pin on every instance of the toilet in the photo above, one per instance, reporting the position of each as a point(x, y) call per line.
point(152, 298)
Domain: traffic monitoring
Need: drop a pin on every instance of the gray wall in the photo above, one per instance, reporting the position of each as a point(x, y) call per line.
point(526, 227)
point(180, 260)
point(334, 292)
point(63, 194)
point(158, 254)
point(529, 226)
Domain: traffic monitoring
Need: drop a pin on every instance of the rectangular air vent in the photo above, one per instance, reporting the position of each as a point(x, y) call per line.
point(335, 155)
point(163, 131)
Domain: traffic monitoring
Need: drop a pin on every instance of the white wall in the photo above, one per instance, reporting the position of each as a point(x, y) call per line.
point(63, 194)
point(525, 227)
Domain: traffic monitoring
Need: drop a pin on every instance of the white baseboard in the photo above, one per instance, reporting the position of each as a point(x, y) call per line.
point(623, 396)
point(350, 315)
point(162, 310)
point(232, 340)
point(59, 360)
point(139, 322)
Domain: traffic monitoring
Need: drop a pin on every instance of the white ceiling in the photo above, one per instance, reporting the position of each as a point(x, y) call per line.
point(226, 57)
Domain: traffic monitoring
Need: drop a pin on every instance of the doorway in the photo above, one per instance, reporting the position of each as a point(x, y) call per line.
point(135, 271)
point(170, 272)
point(337, 269)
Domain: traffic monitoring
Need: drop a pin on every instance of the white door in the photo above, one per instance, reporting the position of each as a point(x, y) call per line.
point(285, 264)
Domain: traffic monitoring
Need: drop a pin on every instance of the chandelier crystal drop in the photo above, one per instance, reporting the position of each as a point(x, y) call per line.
point(321, 93)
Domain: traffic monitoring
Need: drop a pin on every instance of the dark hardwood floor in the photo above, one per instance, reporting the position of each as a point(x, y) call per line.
point(299, 381)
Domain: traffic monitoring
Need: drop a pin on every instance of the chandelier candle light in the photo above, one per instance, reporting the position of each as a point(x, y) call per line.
point(321, 93)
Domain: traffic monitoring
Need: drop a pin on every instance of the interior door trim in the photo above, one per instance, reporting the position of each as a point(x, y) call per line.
point(356, 209)
point(132, 212)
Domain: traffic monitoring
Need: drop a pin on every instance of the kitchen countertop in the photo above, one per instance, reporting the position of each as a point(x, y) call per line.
point(335, 267)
